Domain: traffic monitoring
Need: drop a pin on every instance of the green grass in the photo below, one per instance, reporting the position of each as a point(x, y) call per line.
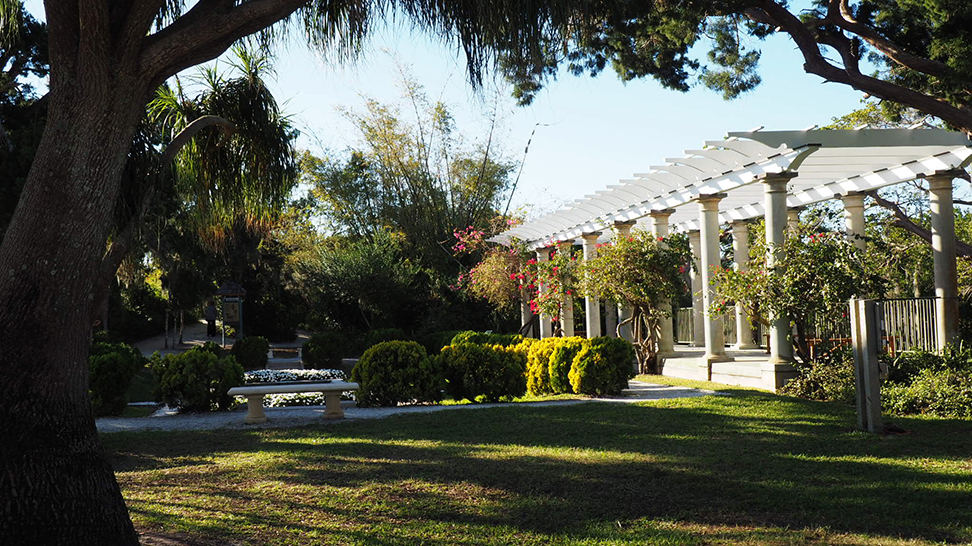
point(751, 468)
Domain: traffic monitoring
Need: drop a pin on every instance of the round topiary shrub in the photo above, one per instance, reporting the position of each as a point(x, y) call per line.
point(323, 351)
point(251, 352)
point(196, 380)
point(111, 369)
point(561, 361)
point(602, 367)
point(483, 372)
point(396, 372)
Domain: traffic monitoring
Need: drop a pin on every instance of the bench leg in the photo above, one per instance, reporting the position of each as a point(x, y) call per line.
point(332, 406)
point(254, 409)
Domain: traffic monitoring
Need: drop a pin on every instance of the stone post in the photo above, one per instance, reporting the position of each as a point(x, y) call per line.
point(567, 315)
point(740, 258)
point(781, 347)
point(854, 218)
point(592, 305)
point(623, 229)
point(698, 315)
point(715, 341)
point(610, 319)
point(546, 326)
point(666, 334)
point(943, 254)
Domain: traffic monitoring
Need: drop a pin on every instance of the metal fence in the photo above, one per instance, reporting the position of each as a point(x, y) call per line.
point(907, 324)
point(910, 324)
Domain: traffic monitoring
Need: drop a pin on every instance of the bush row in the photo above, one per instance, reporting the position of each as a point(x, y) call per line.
point(489, 368)
point(111, 369)
point(198, 379)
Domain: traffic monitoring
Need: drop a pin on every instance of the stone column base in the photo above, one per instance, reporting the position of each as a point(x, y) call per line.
point(705, 368)
point(776, 374)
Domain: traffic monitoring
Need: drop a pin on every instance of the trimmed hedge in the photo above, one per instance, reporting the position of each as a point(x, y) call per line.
point(487, 373)
point(198, 379)
point(251, 352)
point(538, 366)
point(111, 369)
point(435, 341)
point(396, 372)
point(483, 338)
point(602, 367)
point(324, 351)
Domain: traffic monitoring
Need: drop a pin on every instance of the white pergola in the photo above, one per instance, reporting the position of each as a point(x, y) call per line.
point(764, 174)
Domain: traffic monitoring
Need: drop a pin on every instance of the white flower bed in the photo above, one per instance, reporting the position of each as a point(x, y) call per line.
point(274, 376)
point(295, 398)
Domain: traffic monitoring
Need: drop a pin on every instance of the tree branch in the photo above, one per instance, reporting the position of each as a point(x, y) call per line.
point(903, 221)
point(186, 134)
point(816, 63)
point(205, 32)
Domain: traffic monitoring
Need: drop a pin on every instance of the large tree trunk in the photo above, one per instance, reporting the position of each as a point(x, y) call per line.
point(56, 484)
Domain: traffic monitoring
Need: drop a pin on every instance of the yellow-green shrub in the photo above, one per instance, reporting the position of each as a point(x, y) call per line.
point(538, 365)
point(602, 367)
point(561, 361)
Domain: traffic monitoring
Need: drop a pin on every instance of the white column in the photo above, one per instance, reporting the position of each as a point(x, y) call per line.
point(793, 219)
point(623, 229)
point(698, 315)
point(715, 340)
point(592, 306)
point(610, 319)
point(526, 315)
point(854, 218)
point(666, 334)
point(567, 315)
point(740, 258)
point(781, 347)
point(943, 254)
point(546, 327)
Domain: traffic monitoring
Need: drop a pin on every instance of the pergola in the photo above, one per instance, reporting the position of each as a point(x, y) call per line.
point(769, 174)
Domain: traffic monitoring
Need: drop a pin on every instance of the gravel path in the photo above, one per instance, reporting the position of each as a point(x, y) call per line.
point(295, 416)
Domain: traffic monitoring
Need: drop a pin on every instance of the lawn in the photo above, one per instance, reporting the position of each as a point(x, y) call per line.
point(747, 468)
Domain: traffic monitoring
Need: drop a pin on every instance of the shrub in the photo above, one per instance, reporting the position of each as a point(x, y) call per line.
point(395, 372)
point(251, 352)
point(483, 372)
point(829, 378)
point(562, 360)
point(484, 338)
point(602, 367)
point(538, 365)
point(324, 350)
point(945, 393)
point(435, 341)
point(381, 335)
point(111, 369)
point(198, 379)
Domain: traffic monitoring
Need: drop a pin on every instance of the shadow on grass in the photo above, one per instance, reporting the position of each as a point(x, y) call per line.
point(642, 474)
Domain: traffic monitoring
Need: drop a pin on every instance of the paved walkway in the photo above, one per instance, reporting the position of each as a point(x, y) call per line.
point(296, 416)
point(194, 335)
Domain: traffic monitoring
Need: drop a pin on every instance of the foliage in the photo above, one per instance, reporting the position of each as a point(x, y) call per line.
point(415, 176)
point(602, 366)
point(538, 365)
point(820, 273)
point(198, 379)
point(397, 372)
point(435, 341)
point(324, 350)
point(487, 373)
point(645, 273)
point(381, 335)
point(486, 338)
point(562, 362)
point(502, 277)
point(941, 392)
point(828, 378)
point(111, 369)
point(251, 352)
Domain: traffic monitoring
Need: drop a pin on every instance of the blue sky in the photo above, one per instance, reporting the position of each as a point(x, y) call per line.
point(598, 130)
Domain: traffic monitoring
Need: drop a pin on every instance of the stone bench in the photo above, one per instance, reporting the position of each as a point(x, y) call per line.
point(331, 389)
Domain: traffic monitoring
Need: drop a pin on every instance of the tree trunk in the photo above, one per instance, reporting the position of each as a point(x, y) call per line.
point(56, 483)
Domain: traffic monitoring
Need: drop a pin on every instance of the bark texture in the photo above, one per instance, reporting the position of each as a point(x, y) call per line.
point(56, 483)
